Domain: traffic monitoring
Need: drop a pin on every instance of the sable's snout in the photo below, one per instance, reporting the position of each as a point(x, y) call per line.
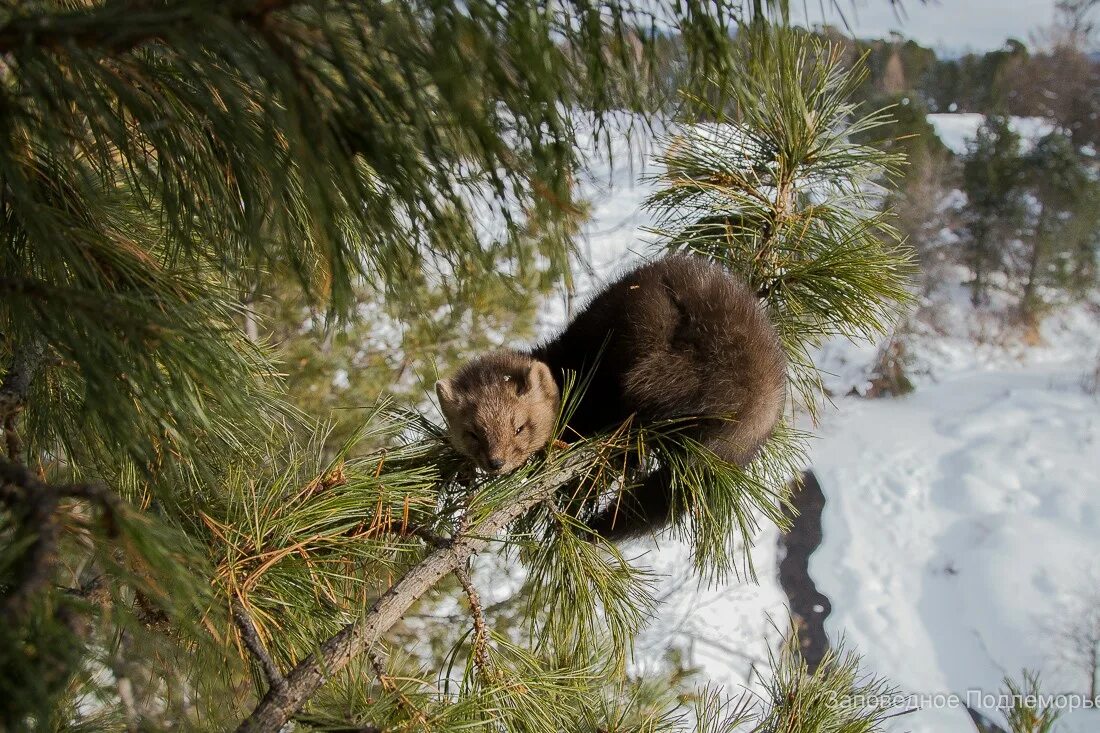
point(496, 464)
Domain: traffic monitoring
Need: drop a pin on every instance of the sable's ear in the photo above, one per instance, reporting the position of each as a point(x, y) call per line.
point(540, 380)
point(445, 391)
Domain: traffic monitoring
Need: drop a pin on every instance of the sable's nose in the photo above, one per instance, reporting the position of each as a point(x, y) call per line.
point(496, 464)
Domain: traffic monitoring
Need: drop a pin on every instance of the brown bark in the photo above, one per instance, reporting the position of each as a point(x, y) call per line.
point(251, 639)
point(36, 504)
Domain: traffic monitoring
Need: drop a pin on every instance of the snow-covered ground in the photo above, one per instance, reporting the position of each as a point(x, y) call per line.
point(960, 519)
point(963, 519)
point(957, 129)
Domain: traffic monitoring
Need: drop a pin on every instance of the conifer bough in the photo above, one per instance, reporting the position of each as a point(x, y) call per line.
point(281, 702)
point(157, 159)
point(89, 29)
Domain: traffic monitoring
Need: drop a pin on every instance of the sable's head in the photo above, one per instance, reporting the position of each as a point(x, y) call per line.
point(500, 409)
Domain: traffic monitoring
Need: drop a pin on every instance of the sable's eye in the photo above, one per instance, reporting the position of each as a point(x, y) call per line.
point(471, 435)
point(521, 428)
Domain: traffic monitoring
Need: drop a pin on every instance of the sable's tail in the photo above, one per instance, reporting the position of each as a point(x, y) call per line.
point(641, 510)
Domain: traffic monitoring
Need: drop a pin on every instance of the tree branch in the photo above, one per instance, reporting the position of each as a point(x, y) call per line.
point(481, 632)
point(35, 502)
point(430, 538)
point(24, 365)
point(256, 648)
point(101, 28)
point(277, 707)
point(36, 567)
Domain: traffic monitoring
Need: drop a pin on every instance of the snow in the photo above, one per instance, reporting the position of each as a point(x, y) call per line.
point(957, 517)
point(341, 379)
point(727, 629)
point(960, 518)
point(956, 130)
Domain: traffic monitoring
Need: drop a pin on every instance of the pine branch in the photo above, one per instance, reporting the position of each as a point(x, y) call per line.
point(36, 503)
point(306, 678)
point(256, 648)
point(37, 509)
point(101, 29)
point(430, 538)
point(787, 199)
point(25, 362)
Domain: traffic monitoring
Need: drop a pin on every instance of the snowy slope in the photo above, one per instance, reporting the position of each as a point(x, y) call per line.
point(957, 518)
point(962, 517)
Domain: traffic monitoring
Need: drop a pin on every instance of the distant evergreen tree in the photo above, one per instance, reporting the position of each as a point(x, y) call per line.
point(992, 178)
point(1060, 244)
point(911, 134)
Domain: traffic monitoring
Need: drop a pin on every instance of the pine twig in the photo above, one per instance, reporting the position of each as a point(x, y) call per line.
point(124, 685)
point(256, 648)
point(38, 510)
point(357, 637)
point(388, 685)
point(430, 538)
point(481, 630)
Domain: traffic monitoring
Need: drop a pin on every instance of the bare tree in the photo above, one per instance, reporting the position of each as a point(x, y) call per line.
point(1075, 24)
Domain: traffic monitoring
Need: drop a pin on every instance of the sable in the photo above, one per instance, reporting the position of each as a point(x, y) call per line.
point(676, 339)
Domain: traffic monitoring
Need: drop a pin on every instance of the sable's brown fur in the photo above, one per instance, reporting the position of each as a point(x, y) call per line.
point(676, 339)
point(500, 409)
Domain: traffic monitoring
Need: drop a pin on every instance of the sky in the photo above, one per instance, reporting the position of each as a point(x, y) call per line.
point(953, 26)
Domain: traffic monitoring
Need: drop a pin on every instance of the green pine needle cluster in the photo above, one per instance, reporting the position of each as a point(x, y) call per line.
point(775, 188)
point(838, 698)
point(1028, 712)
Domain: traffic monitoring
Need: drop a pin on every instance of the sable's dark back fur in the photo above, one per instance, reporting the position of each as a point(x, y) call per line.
point(684, 339)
